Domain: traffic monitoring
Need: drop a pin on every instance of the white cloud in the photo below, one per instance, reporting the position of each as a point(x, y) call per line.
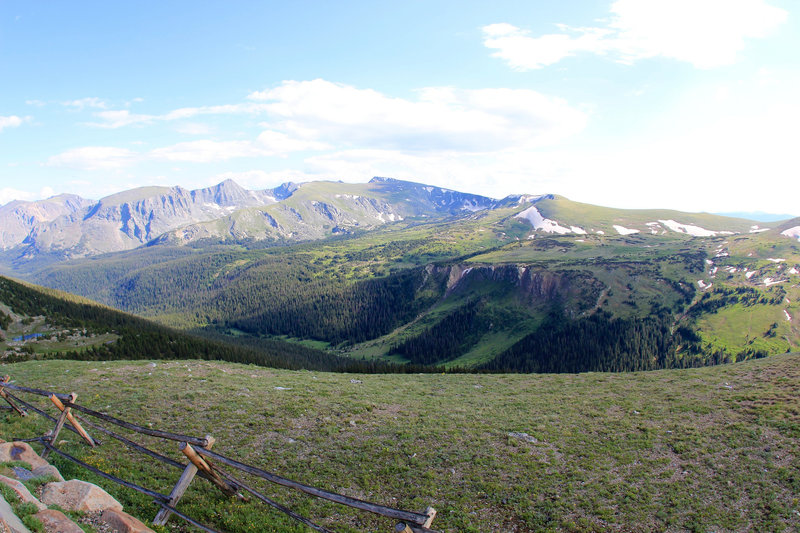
point(206, 151)
point(319, 115)
point(705, 33)
point(268, 144)
point(277, 143)
point(119, 118)
point(94, 158)
point(7, 194)
point(440, 119)
point(12, 121)
point(523, 52)
point(46, 192)
point(91, 102)
point(194, 128)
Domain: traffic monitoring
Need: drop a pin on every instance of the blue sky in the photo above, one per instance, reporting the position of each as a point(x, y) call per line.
point(685, 104)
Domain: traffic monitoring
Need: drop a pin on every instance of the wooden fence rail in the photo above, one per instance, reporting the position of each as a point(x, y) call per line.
point(201, 461)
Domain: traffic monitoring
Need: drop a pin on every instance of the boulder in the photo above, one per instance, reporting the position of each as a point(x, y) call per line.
point(20, 451)
point(77, 495)
point(9, 523)
point(57, 522)
point(22, 492)
point(121, 522)
point(47, 470)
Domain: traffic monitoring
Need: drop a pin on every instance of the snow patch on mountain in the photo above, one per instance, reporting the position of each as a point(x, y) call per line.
point(472, 206)
point(536, 220)
point(390, 217)
point(691, 229)
point(528, 198)
point(622, 230)
point(792, 232)
point(775, 260)
point(757, 229)
point(788, 316)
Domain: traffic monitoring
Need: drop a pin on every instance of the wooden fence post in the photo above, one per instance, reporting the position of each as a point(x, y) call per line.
point(402, 527)
point(431, 512)
point(204, 467)
point(4, 395)
point(56, 430)
point(180, 488)
point(82, 432)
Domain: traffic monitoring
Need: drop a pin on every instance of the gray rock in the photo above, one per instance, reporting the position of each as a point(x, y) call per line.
point(22, 492)
point(56, 521)
point(523, 436)
point(120, 522)
point(76, 495)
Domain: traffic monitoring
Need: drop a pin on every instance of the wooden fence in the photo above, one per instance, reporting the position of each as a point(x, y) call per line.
point(202, 461)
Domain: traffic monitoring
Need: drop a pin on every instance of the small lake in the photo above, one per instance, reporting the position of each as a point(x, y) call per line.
point(27, 337)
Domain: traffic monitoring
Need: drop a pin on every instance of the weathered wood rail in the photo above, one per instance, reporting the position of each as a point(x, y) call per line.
point(201, 461)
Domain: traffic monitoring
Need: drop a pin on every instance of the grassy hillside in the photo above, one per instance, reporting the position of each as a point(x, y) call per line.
point(709, 449)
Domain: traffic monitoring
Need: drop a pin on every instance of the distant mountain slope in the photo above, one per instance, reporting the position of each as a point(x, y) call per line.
point(129, 219)
point(317, 210)
point(555, 214)
point(18, 219)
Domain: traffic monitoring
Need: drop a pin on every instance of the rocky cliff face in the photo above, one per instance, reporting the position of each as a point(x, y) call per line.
point(572, 290)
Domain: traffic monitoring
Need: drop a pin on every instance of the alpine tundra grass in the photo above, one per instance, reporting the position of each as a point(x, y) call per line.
point(707, 449)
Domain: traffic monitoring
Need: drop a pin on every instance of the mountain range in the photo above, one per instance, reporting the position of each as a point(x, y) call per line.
point(404, 272)
point(67, 226)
